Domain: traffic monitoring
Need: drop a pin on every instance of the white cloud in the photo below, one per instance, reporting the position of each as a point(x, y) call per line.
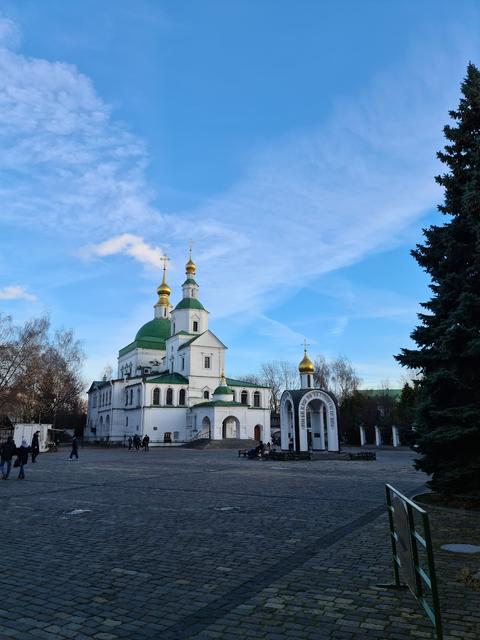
point(16, 292)
point(126, 244)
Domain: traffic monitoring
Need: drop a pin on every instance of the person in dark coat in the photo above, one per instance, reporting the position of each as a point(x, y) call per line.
point(145, 442)
point(35, 446)
point(7, 451)
point(130, 443)
point(74, 451)
point(22, 457)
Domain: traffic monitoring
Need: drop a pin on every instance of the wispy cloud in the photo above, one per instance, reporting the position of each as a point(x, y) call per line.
point(126, 244)
point(16, 292)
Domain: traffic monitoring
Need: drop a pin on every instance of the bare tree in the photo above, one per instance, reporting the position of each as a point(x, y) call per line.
point(20, 352)
point(322, 373)
point(337, 376)
point(344, 379)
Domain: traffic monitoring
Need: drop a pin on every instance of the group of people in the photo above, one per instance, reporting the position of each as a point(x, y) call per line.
point(137, 442)
point(260, 451)
point(8, 450)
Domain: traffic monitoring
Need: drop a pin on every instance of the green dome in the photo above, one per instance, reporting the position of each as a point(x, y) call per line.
point(222, 391)
point(157, 330)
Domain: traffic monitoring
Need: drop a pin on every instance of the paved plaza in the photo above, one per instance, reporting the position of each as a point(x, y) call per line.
point(194, 544)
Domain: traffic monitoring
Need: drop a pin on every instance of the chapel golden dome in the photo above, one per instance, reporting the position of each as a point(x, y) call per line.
point(306, 365)
point(190, 266)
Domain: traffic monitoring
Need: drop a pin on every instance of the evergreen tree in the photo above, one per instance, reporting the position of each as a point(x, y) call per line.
point(447, 416)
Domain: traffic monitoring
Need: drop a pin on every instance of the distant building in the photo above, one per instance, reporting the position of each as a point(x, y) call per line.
point(170, 382)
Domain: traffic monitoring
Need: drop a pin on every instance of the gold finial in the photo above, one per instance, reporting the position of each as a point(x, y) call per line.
point(164, 290)
point(306, 365)
point(190, 266)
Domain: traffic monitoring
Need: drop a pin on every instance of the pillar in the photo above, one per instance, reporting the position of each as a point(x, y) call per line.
point(395, 436)
point(362, 436)
point(378, 437)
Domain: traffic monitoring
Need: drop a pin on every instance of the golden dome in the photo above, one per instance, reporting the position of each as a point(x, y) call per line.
point(306, 365)
point(163, 291)
point(190, 266)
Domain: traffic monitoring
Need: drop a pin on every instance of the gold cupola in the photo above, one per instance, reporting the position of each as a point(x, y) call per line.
point(190, 266)
point(164, 291)
point(306, 365)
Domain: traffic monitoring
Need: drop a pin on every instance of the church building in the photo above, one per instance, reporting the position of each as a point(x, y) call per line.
point(171, 385)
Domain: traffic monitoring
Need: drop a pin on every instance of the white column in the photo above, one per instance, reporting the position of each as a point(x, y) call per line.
point(378, 436)
point(362, 436)
point(322, 429)
point(395, 436)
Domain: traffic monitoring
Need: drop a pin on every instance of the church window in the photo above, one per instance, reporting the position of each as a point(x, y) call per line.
point(256, 399)
point(126, 397)
point(126, 421)
point(169, 400)
point(207, 362)
point(234, 396)
point(183, 364)
point(309, 383)
point(138, 397)
point(131, 396)
point(156, 396)
point(181, 397)
point(195, 325)
point(176, 435)
point(244, 397)
point(173, 328)
point(206, 395)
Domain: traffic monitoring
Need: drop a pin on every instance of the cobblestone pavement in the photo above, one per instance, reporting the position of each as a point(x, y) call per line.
point(178, 544)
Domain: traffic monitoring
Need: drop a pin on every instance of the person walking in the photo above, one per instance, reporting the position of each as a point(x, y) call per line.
point(146, 440)
point(74, 451)
point(130, 443)
point(22, 457)
point(7, 451)
point(35, 446)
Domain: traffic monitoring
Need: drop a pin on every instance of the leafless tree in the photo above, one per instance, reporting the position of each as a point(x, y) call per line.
point(337, 376)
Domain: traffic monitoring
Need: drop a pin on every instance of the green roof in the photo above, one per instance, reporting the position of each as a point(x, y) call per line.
point(156, 329)
point(221, 391)
point(241, 383)
point(189, 281)
point(184, 333)
point(168, 378)
point(190, 303)
point(151, 335)
point(220, 403)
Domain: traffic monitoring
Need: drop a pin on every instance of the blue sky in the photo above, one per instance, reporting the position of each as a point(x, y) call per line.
point(293, 142)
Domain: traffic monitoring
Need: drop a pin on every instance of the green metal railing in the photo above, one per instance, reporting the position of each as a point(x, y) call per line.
point(408, 545)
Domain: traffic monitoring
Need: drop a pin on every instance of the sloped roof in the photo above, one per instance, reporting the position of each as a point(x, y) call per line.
point(168, 378)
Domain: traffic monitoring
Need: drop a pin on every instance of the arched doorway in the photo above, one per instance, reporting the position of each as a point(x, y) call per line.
point(257, 432)
point(231, 427)
point(308, 420)
point(206, 426)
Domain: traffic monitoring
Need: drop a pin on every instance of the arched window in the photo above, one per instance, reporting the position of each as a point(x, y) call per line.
point(181, 397)
point(256, 399)
point(156, 396)
point(195, 326)
point(244, 397)
point(206, 395)
point(131, 396)
point(169, 400)
point(126, 397)
point(138, 397)
point(309, 380)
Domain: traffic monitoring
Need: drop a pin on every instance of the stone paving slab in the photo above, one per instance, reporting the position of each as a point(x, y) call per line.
point(201, 544)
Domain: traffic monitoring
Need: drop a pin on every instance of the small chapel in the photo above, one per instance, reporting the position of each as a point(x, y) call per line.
point(170, 382)
point(308, 416)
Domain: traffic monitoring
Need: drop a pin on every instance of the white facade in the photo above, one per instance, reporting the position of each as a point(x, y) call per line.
point(170, 383)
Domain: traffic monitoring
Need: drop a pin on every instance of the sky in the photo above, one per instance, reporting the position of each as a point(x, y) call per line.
point(294, 143)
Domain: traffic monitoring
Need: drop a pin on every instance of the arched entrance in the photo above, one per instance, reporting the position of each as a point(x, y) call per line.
point(308, 421)
point(206, 426)
point(257, 432)
point(231, 427)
